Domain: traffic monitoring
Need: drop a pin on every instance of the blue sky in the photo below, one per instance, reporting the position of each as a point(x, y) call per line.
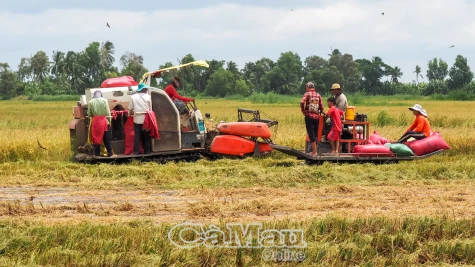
point(410, 32)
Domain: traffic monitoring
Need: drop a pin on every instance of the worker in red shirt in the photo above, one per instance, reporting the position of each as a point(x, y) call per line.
point(335, 115)
point(178, 100)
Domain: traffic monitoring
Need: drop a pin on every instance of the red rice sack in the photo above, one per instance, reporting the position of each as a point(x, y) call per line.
point(376, 138)
point(119, 82)
point(129, 137)
point(428, 145)
point(373, 150)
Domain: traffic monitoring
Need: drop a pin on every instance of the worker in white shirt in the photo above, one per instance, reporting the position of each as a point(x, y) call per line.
point(139, 105)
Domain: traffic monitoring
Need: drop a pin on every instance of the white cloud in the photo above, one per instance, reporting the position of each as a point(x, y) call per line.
point(409, 31)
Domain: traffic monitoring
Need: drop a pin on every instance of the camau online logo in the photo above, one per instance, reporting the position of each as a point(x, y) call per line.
point(277, 244)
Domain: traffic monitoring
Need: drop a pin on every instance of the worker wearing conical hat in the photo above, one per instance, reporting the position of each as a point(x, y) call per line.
point(340, 98)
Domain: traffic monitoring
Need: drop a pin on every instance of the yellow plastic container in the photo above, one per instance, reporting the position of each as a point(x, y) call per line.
point(350, 113)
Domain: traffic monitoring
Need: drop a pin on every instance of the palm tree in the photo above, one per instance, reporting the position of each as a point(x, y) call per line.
point(24, 69)
point(77, 77)
point(90, 59)
point(57, 68)
point(418, 73)
point(395, 74)
point(107, 52)
point(335, 52)
point(233, 68)
point(40, 66)
point(377, 60)
point(68, 66)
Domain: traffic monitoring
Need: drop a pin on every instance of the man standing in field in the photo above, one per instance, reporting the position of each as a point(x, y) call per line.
point(340, 99)
point(311, 105)
point(140, 104)
point(98, 110)
point(341, 103)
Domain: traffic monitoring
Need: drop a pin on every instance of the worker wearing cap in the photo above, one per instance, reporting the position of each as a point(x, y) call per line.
point(420, 128)
point(98, 110)
point(140, 104)
point(340, 98)
point(311, 107)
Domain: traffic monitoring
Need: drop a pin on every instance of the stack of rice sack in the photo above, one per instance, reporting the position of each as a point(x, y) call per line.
point(382, 147)
point(375, 147)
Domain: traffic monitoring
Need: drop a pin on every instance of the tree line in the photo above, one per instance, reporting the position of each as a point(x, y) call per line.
point(72, 72)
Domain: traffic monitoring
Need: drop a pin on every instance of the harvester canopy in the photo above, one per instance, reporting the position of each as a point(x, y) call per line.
point(146, 77)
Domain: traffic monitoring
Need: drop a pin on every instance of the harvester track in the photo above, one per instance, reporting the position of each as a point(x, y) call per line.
point(159, 158)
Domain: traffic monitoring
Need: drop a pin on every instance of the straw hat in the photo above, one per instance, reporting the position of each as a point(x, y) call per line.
point(335, 86)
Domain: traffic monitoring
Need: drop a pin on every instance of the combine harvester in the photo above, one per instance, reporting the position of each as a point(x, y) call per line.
point(184, 137)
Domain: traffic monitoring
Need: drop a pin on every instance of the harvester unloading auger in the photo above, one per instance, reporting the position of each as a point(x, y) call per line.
point(185, 136)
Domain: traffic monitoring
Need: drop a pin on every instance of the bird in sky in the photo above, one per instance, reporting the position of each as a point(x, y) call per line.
point(39, 145)
point(382, 13)
point(108, 25)
point(452, 46)
point(291, 10)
